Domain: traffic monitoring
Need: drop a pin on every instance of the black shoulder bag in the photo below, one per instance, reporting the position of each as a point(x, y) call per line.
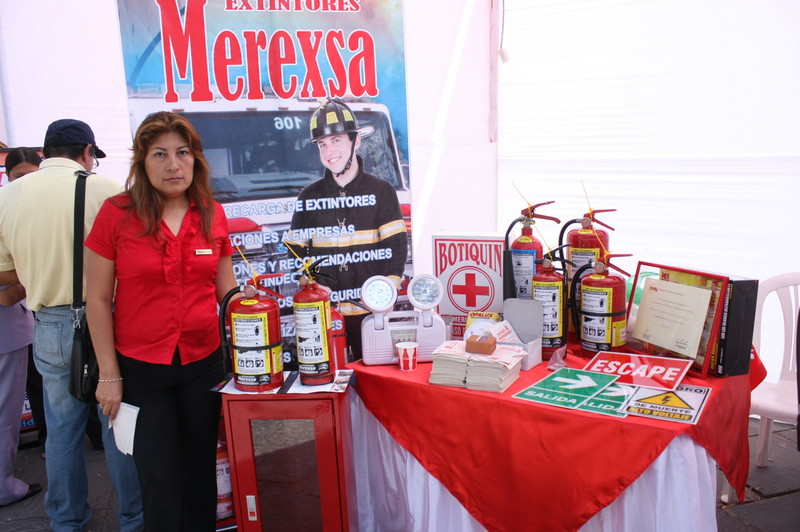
point(83, 367)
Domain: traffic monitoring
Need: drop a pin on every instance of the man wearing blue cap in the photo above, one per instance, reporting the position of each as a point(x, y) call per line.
point(36, 250)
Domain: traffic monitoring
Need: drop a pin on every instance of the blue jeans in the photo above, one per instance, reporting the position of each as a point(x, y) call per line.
point(66, 498)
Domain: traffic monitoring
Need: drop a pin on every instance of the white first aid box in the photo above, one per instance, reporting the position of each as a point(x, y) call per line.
point(470, 267)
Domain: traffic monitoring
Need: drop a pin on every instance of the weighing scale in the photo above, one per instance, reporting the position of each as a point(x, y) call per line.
point(384, 328)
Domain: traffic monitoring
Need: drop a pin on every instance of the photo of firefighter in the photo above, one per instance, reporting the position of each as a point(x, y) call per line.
point(350, 217)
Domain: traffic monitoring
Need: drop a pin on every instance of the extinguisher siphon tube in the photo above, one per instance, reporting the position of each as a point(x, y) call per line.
point(573, 304)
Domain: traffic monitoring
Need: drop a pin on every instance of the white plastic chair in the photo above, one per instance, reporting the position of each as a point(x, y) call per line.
point(775, 401)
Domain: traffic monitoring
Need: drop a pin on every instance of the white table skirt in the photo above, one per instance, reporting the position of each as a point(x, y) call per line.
point(395, 493)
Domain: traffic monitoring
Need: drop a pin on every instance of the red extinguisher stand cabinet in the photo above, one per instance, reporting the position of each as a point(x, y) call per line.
point(291, 459)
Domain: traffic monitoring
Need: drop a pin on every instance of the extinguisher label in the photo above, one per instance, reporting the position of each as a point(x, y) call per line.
point(620, 333)
point(312, 339)
point(224, 486)
point(524, 265)
point(251, 330)
point(596, 329)
point(550, 295)
point(581, 256)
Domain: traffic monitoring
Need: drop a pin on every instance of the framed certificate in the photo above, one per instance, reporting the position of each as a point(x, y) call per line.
point(677, 312)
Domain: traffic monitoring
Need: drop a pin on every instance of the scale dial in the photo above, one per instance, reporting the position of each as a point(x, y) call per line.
point(379, 294)
point(425, 291)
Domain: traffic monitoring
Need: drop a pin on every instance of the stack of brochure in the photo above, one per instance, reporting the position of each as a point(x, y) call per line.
point(454, 366)
point(449, 366)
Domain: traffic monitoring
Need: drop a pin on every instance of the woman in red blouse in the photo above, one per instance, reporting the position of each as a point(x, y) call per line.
point(164, 244)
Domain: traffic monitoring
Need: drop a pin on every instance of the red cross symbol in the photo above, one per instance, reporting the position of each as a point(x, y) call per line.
point(471, 290)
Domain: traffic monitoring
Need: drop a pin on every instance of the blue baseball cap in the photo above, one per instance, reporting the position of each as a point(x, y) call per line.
point(69, 131)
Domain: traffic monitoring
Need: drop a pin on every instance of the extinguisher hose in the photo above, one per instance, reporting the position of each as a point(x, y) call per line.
point(564, 232)
point(577, 312)
point(511, 226)
point(225, 341)
point(573, 289)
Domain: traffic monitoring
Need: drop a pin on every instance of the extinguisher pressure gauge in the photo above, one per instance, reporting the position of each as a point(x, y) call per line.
point(379, 295)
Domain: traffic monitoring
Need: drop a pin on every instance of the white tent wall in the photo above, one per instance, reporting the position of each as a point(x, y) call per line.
point(682, 115)
point(63, 59)
point(450, 69)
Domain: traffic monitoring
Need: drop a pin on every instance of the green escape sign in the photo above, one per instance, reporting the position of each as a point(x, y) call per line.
point(567, 387)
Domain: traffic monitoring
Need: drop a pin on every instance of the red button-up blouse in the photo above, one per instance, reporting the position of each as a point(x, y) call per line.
point(166, 293)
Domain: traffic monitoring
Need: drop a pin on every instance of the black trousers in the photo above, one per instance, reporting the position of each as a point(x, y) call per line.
point(175, 445)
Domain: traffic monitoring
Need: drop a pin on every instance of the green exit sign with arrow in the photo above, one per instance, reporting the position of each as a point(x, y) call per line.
point(567, 387)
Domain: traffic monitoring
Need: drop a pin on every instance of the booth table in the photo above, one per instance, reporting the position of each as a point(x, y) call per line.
point(431, 457)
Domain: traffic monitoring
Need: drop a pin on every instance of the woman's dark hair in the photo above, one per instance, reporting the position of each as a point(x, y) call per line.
point(21, 155)
point(146, 200)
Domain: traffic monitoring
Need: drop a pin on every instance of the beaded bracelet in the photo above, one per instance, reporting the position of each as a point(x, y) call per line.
point(110, 380)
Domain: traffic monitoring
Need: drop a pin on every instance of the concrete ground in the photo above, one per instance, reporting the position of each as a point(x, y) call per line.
point(772, 502)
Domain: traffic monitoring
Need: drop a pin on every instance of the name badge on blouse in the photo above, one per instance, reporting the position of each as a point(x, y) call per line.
point(203, 252)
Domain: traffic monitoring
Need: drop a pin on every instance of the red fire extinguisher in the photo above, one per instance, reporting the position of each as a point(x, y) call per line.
point(224, 484)
point(601, 318)
point(339, 338)
point(524, 253)
point(549, 288)
point(587, 243)
point(255, 327)
point(313, 330)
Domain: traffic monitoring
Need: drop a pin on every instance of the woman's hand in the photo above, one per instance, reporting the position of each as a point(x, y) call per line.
point(109, 396)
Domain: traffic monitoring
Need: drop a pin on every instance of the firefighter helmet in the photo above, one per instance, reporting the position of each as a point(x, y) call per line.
point(333, 117)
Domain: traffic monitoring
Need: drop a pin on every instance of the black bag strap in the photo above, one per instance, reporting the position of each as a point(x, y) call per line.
point(77, 249)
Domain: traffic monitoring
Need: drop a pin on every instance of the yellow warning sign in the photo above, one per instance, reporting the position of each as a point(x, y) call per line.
point(666, 399)
point(684, 404)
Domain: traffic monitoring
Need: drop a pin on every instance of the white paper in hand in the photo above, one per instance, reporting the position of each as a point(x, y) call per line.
point(124, 427)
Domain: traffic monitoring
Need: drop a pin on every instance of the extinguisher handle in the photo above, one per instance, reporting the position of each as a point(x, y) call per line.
point(592, 215)
point(530, 212)
point(609, 256)
point(544, 217)
point(312, 270)
point(259, 278)
point(620, 270)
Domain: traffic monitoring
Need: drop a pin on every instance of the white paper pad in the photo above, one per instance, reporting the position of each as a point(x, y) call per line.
point(124, 427)
point(339, 384)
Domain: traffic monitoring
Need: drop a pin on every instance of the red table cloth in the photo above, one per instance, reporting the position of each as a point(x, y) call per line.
point(511, 462)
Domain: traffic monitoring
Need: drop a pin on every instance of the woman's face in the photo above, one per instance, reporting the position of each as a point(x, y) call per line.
point(23, 168)
point(169, 164)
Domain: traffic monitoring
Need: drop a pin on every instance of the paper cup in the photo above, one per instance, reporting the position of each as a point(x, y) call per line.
point(407, 355)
